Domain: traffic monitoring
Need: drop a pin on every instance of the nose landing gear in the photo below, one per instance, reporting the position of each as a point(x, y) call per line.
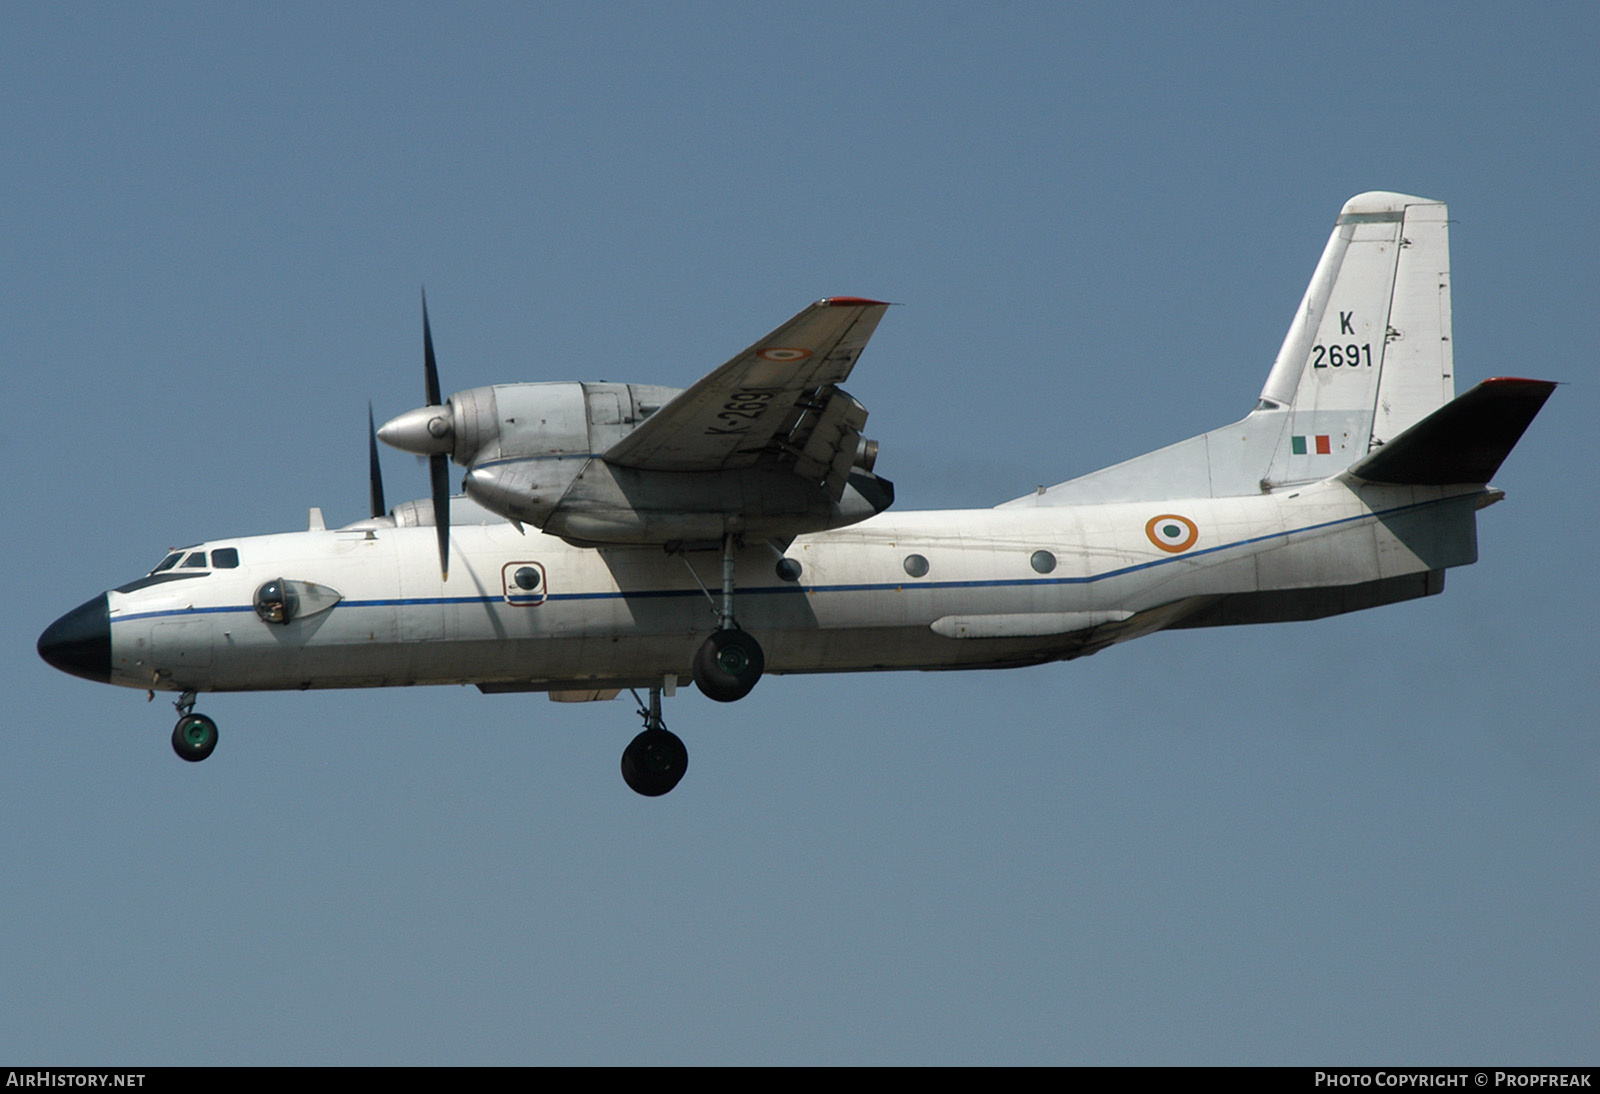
point(195, 736)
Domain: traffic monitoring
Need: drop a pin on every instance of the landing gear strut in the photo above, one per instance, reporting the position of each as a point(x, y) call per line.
point(656, 759)
point(729, 662)
point(195, 736)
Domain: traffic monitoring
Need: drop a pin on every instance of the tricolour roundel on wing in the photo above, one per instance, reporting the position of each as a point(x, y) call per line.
point(783, 353)
point(1171, 532)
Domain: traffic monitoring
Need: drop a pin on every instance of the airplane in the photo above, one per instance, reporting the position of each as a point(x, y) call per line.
point(624, 536)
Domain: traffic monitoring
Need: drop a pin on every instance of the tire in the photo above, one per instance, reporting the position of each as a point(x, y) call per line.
point(728, 665)
point(653, 762)
point(194, 737)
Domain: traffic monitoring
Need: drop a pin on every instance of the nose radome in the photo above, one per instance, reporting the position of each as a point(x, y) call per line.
point(80, 641)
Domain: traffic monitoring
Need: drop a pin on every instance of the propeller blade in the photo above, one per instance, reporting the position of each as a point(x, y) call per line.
point(439, 471)
point(430, 369)
point(438, 462)
point(374, 472)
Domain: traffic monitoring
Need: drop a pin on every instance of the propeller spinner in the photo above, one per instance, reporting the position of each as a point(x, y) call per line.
point(429, 431)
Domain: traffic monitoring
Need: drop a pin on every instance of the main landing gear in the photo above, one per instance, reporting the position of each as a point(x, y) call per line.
point(195, 736)
point(655, 760)
point(726, 667)
point(730, 662)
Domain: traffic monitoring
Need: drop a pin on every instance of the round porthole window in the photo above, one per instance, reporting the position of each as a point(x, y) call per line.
point(274, 602)
point(1043, 561)
point(788, 569)
point(526, 578)
point(916, 565)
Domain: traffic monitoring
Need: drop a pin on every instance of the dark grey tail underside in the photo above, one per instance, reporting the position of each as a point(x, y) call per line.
point(1464, 441)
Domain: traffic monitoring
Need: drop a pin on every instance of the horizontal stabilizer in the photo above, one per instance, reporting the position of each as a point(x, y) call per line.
point(1463, 441)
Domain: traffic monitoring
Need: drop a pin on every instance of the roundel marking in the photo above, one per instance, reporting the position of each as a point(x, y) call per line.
point(783, 353)
point(1172, 533)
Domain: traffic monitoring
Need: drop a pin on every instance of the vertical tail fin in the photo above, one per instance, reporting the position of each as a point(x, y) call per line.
point(1367, 356)
point(1369, 353)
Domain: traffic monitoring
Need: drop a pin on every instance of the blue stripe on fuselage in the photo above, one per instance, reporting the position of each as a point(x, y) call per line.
point(877, 586)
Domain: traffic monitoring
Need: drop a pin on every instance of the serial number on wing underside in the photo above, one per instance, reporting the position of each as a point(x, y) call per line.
point(742, 410)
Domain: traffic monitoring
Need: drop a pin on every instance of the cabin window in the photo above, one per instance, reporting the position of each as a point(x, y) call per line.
point(225, 558)
point(788, 569)
point(916, 565)
point(526, 577)
point(169, 562)
point(195, 561)
point(1043, 561)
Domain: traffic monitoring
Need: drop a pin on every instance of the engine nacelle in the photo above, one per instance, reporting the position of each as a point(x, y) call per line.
point(533, 454)
point(515, 421)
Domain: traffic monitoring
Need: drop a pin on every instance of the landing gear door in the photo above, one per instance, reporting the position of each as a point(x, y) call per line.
point(524, 584)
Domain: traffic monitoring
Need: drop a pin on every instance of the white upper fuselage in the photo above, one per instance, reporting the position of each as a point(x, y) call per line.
point(630, 616)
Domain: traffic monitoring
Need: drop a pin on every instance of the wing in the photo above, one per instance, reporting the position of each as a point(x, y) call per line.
point(778, 399)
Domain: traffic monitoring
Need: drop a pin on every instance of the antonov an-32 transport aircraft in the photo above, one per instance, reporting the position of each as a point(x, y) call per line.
point(624, 536)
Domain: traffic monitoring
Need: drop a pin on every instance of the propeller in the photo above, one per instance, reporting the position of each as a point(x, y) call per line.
point(374, 472)
point(429, 431)
point(438, 462)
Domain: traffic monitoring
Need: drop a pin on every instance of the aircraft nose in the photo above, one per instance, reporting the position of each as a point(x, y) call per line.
point(80, 641)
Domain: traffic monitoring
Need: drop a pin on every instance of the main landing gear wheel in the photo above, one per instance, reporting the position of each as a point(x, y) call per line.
point(194, 737)
point(728, 665)
point(653, 762)
point(730, 662)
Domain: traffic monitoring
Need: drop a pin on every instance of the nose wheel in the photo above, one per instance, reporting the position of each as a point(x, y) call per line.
point(195, 736)
point(656, 759)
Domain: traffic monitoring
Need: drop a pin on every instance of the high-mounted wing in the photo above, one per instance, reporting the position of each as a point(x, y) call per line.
point(777, 397)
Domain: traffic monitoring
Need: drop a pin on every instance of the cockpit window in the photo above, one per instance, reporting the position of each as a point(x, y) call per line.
point(169, 562)
point(225, 558)
point(195, 561)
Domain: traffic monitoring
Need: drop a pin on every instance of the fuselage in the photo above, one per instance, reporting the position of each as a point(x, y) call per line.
point(914, 590)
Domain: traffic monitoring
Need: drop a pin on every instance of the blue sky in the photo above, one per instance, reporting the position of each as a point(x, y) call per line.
point(1367, 839)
